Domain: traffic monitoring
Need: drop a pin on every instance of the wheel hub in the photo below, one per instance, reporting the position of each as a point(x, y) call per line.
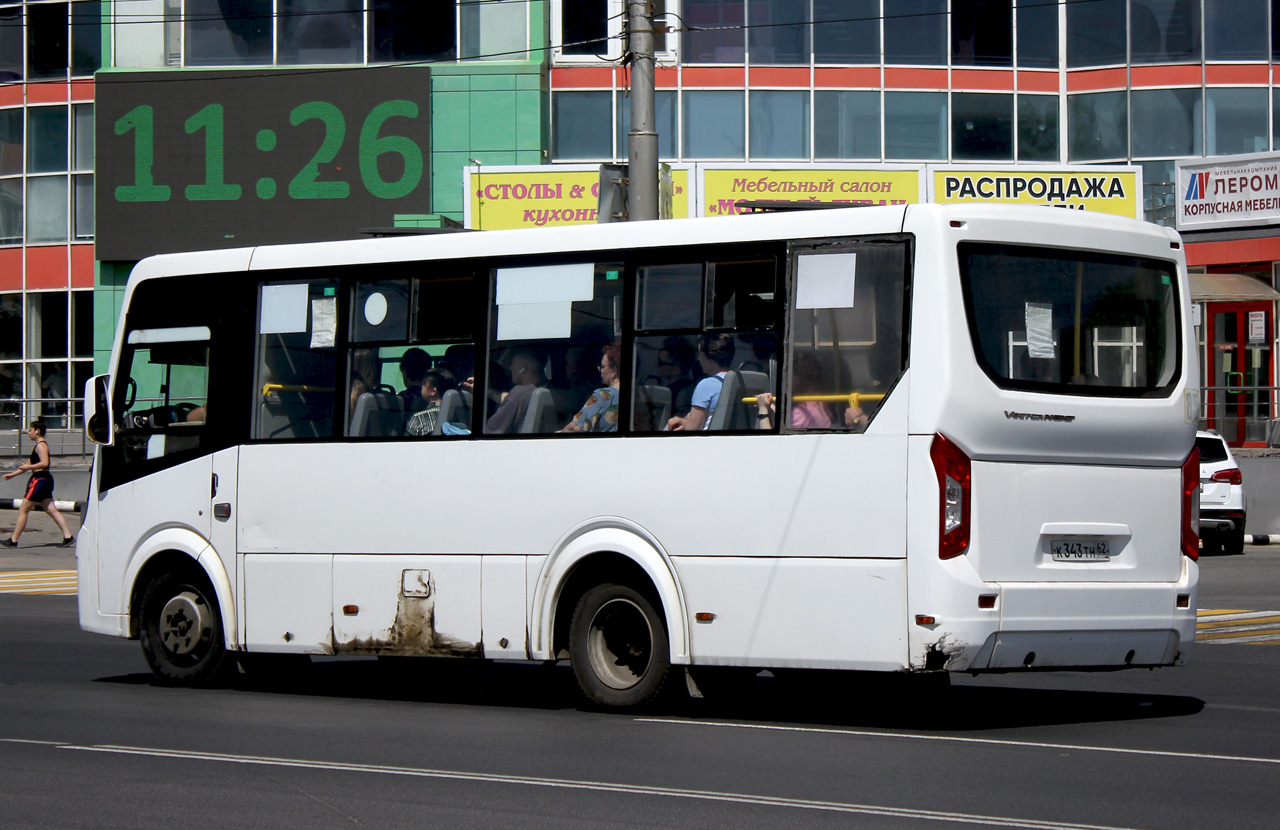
point(183, 622)
point(620, 644)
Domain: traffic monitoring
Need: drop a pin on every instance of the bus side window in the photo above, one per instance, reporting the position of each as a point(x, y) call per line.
point(297, 360)
point(846, 335)
point(704, 328)
point(164, 396)
point(555, 349)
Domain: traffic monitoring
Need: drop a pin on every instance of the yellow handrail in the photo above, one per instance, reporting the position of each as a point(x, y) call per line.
point(268, 388)
point(853, 398)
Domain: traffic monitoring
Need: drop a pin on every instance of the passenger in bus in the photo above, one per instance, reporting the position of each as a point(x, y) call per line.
point(364, 376)
point(413, 368)
point(715, 356)
point(430, 392)
point(676, 360)
point(806, 381)
point(525, 371)
point(600, 412)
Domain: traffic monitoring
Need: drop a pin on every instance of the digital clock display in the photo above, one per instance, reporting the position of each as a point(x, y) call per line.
point(230, 158)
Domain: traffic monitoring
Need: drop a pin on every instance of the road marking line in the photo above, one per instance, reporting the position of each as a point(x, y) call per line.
point(1234, 632)
point(859, 733)
point(1208, 611)
point(597, 786)
point(1258, 640)
point(1237, 625)
point(1227, 618)
point(38, 582)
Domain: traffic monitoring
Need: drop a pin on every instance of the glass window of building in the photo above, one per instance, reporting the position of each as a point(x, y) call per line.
point(1236, 30)
point(982, 32)
point(1164, 31)
point(718, 34)
point(981, 126)
point(228, 32)
point(47, 147)
point(915, 125)
point(10, 211)
point(915, 32)
point(47, 209)
point(1275, 122)
point(82, 167)
point(11, 141)
point(584, 27)
point(581, 122)
point(1037, 34)
point(320, 31)
point(779, 124)
point(46, 41)
point(1038, 128)
point(499, 31)
point(1167, 122)
point(11, 63)
point(1097, 126)
point(1095, 33)
point(86, 37)
point(714, 125)
point(778, 31)
point(846, 124)
point(1236, 121)
point(846, 31)
point(664, 121)
point(410, 30)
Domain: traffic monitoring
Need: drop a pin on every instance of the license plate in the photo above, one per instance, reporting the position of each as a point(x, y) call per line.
point(1080, 550)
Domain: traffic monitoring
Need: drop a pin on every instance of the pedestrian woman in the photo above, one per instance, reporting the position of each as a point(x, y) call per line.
point(39, 488)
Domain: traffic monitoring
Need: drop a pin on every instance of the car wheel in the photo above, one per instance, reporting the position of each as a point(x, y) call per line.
point(618, 647)
point(181, 630)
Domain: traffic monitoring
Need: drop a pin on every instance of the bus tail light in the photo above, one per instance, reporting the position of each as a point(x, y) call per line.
point(1231, 476)
point(1191, 505)
point(955, 496)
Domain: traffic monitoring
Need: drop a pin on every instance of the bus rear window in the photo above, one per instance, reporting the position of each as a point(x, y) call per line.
point(1072, 322)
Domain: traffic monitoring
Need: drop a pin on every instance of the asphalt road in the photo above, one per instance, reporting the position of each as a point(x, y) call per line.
point(88, 740)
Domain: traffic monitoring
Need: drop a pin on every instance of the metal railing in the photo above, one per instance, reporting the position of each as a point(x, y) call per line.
point(64, 418)
point(1242, 414)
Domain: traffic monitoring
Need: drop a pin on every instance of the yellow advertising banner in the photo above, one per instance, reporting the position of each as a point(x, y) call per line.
point(548, 196)
point(1104, 189)
point(724, 188)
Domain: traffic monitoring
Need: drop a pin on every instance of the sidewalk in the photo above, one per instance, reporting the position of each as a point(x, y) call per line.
point(37, 549)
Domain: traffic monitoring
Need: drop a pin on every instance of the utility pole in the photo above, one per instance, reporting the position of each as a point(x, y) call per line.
point(642, 140)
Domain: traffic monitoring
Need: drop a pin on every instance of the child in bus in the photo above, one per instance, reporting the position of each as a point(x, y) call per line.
point(414, 364)
point(715, 356)
point(432, 388)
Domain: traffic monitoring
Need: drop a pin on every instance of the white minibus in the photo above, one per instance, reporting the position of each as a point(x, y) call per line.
point(913, 438)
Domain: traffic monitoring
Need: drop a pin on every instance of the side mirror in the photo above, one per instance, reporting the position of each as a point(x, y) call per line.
point(99, 425)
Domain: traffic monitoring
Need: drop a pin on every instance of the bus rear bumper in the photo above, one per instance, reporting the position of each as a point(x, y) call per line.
point(1021, 650)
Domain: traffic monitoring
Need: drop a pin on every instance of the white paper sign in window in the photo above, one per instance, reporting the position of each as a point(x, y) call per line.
point(284, 309)
point(537, 303)
point(1040, 330)
point(324, 322)
point(825, 280)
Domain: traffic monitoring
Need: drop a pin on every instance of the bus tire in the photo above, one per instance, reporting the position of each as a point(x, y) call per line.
point(618, 647)
point(181, 630)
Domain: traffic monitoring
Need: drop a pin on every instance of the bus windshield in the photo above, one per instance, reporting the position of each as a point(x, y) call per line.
point(1072, 322)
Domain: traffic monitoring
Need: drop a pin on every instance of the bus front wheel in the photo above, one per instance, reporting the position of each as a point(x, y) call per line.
point(618, 647)
point(181, 631)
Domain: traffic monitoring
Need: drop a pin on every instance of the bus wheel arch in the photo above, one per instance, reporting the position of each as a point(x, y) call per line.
point(177, 548)
point(177, 618)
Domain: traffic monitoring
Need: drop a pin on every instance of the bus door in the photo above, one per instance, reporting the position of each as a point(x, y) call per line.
point(1239, 337)
point(159, 464)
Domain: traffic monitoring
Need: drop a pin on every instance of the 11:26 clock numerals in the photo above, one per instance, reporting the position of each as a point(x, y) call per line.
point(140, 121)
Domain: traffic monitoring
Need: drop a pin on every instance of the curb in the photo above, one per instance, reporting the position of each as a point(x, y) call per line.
point(78, 507)
point(1251, 539)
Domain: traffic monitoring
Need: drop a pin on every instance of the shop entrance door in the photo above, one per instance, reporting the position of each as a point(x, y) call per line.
point(1239, 399)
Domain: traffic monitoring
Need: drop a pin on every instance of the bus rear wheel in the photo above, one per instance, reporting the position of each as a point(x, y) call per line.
point(181, 630)
point(618, 647)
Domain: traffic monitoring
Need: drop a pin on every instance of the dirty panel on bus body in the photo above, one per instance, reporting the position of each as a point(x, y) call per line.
point(406, 605)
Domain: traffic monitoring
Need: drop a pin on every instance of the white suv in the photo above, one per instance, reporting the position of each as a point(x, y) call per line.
point(1222, 504)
